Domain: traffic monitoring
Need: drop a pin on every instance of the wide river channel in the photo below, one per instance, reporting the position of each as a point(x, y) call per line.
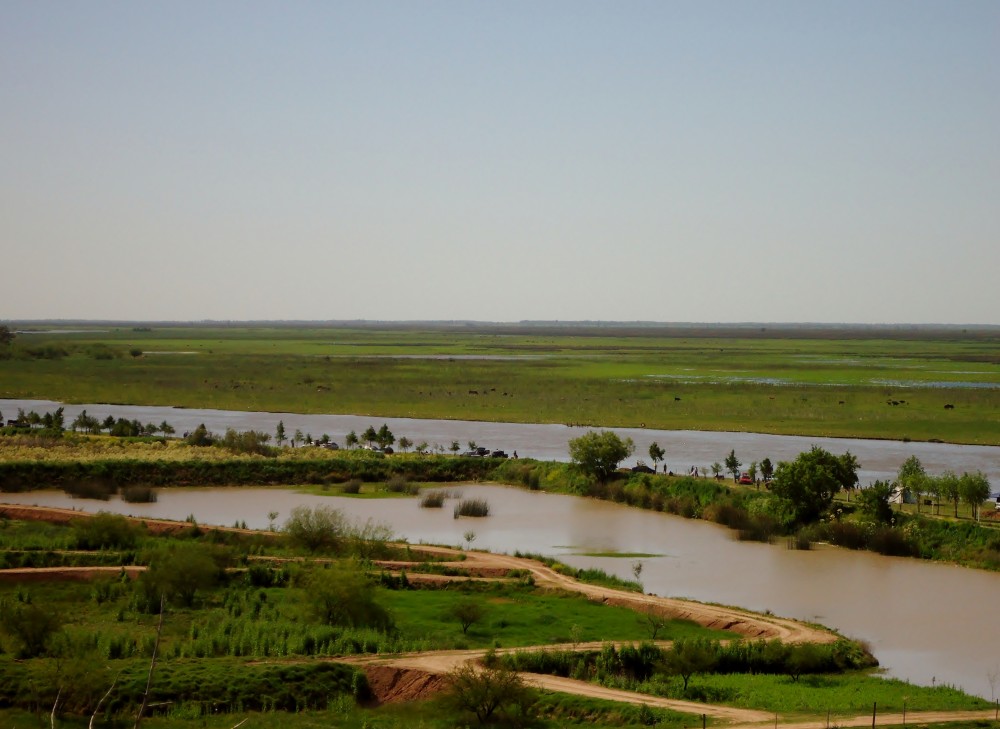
point(929, 623)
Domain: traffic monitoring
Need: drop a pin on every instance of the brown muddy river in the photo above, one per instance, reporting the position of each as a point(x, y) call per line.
point(929, 623)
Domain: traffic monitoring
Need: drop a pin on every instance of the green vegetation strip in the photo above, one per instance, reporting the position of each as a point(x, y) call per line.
point(898, 384)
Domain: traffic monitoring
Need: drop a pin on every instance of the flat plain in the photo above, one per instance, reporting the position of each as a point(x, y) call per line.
point(918, 383)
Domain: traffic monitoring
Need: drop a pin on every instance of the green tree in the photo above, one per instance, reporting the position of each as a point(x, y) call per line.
point(803, 658)
point(467, 611)
point(488, 691)
point(454, 447)
point(911, 477)
point(279, 433)
point(766, 470)
point(656, 453)
point(974, 489)
point(752, 471)
point(341, 595)
point(810, 482)
point(733, 465)
point(351, 440)
point(167, 429)
point(197, 437)
point(599, 453)
point(689, 658)
point(6, 336)
point(716, 469)
point(370, 435)
point(405, 444)
point(934, 487)
point(317, 529)
point(384, 437)
point(876, 501)
point(297, 437)
point(949, 484)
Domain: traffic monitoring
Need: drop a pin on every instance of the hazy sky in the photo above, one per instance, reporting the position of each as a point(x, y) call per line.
point(670, 161)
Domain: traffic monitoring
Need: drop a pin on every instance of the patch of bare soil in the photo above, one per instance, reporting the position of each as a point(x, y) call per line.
point(390, 684)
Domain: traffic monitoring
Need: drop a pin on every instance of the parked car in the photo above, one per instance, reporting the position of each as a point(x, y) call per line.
point(745, 479)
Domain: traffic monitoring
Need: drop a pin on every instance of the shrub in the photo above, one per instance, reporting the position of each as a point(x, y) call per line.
point(105, 531)
point(399, 484)
point(472, 507)
point(351, 487)
point(432, 500)
point(322, 528)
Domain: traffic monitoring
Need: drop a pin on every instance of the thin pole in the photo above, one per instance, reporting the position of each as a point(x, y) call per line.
point(874, 708)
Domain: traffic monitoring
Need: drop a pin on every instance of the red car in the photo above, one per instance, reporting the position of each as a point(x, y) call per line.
point(745, 479)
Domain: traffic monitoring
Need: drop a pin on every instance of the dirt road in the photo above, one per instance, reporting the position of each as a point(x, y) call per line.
point(404, 677)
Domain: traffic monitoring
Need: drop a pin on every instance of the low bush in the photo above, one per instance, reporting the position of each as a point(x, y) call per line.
point(472, 507)
point(432, 500)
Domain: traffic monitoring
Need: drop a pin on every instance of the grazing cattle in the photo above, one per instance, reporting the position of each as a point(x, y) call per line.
point(473, 392)
point(949, 406)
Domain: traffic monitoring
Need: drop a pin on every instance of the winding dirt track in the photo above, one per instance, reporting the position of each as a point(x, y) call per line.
point(413, 675)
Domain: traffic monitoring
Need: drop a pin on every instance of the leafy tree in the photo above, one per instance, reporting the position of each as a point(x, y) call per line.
point(950, 490)
point(752, 471)
point(6, 335)
point(166, 428)
point(200, 436)
point(934, 487)
point(421, 447)
point(341, 595)
point(279, 433)
point(78, 421)
point(384, 437)
point(486, 691)
point(351, 440)
point(370, 435)
point(405, 444)
point(911, 478)
point(109, 422)
point(297, 437)
point(316, 529)
point(803, 658)
point(766, 470)
point(974, 489)
point(876, 501)
point(810, 482)
point(467, 611)
point(656, 453)
point(716, 468)
point(54, 421)
point(599, 453)
point(454, 447)
point(733, 465)
point(689, 658)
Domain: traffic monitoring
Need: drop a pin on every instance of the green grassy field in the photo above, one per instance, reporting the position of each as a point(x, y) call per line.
point(813, 382)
